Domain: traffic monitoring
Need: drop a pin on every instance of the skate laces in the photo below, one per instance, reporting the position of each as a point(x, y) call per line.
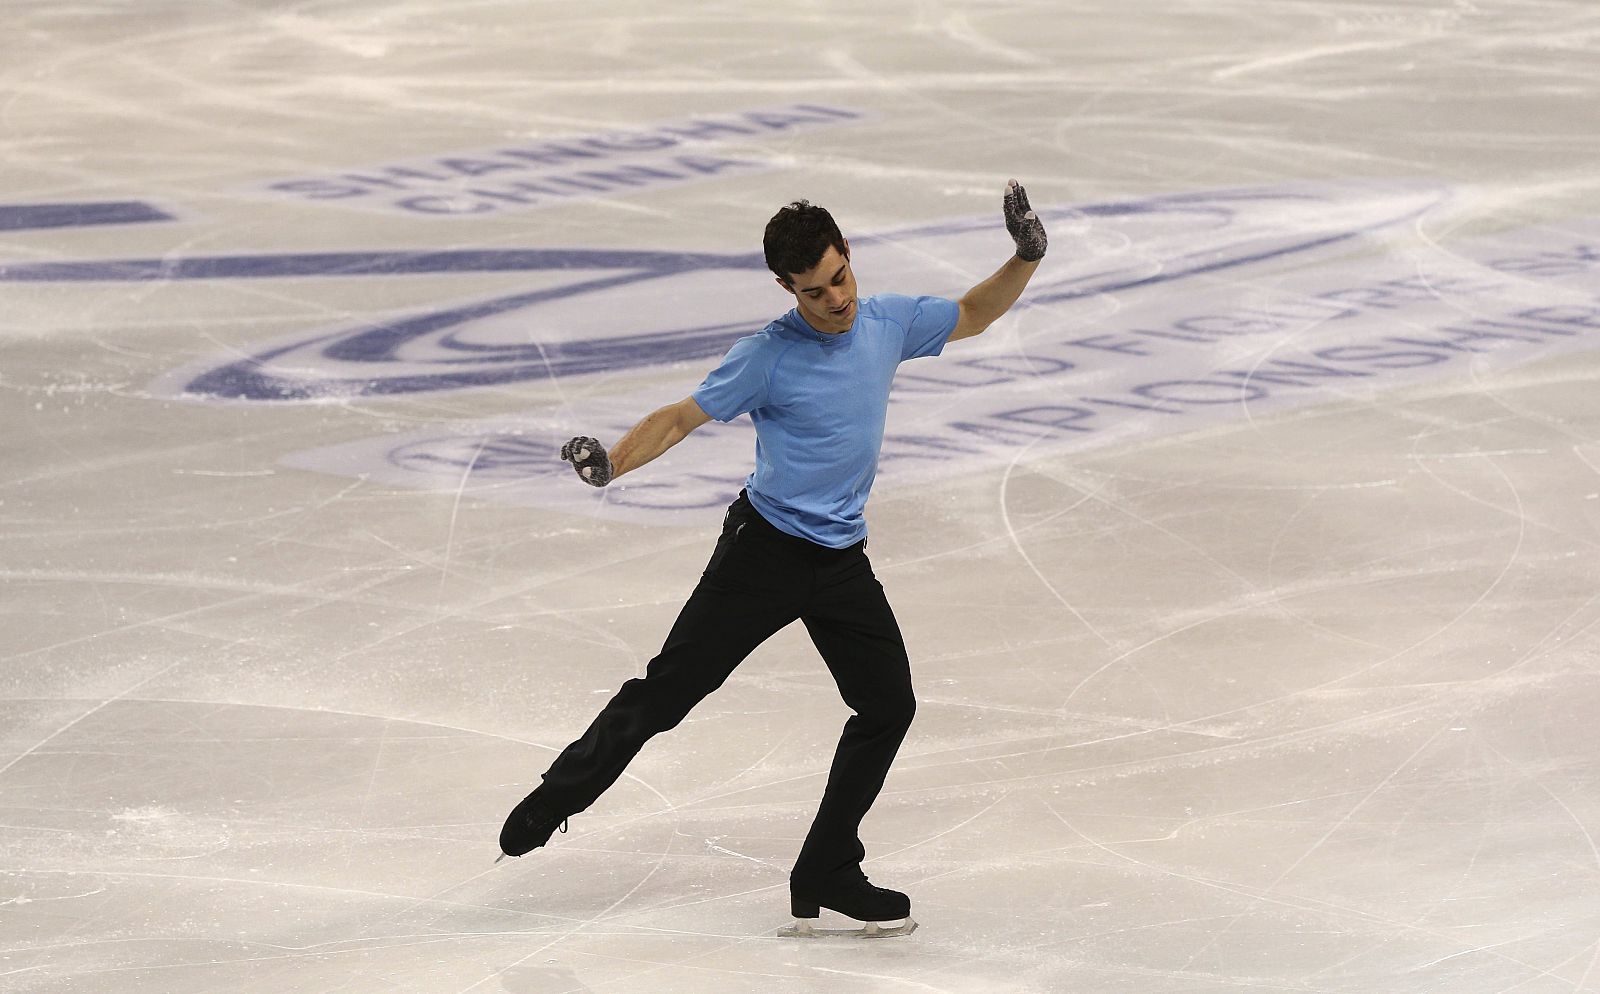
point(544, 813)
point(857, 883)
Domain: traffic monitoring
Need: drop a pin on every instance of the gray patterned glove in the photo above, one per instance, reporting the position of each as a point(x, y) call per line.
point(589, 458)
point(1025, 227)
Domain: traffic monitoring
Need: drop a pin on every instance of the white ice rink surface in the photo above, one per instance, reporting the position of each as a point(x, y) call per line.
point(1249, 572)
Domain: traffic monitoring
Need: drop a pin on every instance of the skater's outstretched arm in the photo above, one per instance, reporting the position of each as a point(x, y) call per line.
point(983, 304)
point(659, 431)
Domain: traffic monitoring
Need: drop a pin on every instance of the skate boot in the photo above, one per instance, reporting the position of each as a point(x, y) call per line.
point(530, 824)
point(874, 911)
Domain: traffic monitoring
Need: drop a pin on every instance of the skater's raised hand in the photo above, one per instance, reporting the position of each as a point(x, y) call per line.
point(1025, 227)
point(589, 458)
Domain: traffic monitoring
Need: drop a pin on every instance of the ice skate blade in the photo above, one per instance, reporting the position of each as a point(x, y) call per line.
point(803, 928)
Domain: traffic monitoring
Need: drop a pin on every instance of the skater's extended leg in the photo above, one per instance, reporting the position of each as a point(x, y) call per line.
point(715, 631)
point(751, 588)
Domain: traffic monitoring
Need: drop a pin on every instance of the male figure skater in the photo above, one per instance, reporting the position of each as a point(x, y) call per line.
point(816, 384)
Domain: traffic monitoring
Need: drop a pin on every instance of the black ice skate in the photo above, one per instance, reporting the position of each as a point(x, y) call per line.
point(875, 912)
point(530, 825)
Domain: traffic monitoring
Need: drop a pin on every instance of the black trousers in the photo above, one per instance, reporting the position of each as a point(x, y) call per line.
point(758, 581)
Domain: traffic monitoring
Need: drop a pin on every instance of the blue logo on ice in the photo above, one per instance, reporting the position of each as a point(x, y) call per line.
point(1088, 360)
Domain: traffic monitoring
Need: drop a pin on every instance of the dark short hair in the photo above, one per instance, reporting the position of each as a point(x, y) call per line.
point(797, 238)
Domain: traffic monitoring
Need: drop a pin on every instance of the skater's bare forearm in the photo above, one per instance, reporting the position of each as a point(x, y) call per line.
point(985, 303)
point(659, 431)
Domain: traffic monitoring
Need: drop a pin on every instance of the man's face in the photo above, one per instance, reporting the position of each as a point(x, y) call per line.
point(826, 296)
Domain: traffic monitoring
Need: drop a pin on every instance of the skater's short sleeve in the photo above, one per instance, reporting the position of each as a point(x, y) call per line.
point(740, 384)
point(927, 322)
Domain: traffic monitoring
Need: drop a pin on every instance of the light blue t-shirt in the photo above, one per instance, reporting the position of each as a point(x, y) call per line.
point(819, 403)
